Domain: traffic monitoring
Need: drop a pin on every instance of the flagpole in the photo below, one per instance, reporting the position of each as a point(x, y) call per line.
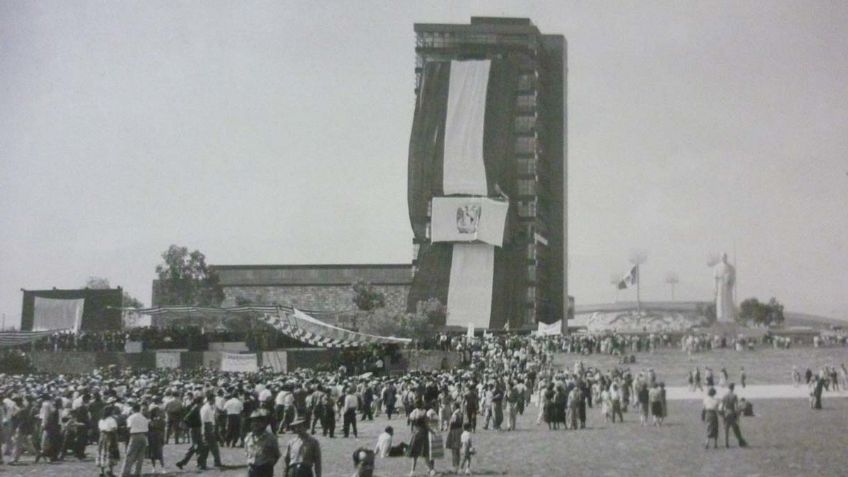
point(638, 285)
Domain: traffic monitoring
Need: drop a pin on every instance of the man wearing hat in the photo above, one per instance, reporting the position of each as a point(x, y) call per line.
point(261, 446)
point(303, 452)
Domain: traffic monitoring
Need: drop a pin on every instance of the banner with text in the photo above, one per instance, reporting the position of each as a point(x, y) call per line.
point(468, 219)
point(168, 359)
point(550, 329)
point(238, 363)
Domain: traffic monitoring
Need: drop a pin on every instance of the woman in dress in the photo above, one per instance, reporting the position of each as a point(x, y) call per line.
point(709, 415)
point(156, 437)
point(454, 442)
point(548, 405)
point(419, 443)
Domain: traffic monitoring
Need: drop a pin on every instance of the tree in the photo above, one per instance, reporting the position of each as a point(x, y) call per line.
point(753, 310)
point(100, 283)
point(185, 279)
point(423, 324)
point(672, 279)
point(775, 312)
point(366, 297)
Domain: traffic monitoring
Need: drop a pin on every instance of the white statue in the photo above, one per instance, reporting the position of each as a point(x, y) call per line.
point(725, 278)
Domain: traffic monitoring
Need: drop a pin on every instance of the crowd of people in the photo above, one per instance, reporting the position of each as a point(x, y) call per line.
point(130, 415)
point(193, 338)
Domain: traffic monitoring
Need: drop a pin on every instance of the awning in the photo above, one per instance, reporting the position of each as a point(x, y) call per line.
point(302, 327)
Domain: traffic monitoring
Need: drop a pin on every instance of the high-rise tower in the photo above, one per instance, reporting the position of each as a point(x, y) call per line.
point(489, 135)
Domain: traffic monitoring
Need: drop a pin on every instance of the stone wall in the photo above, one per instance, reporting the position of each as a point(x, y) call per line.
point(315, 297)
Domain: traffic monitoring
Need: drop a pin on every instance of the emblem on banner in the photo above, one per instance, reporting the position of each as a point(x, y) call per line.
point(467, 218)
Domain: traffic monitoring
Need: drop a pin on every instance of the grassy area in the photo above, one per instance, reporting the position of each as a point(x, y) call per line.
point(763, 366)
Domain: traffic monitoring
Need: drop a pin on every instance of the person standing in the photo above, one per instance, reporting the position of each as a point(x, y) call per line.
point(615, 399)
point(655, 398)
point(709, 415)
point(138, 426)
point(471, 403)
point(419, 443)
point(107, 444)
point(173, 416)
point(349, 407)
point(643, 396)
point(195, 426)
point(730, 404)
point(209, 420)
point(513, 398)
point(328, 416)
point(455, 425)
point(233, 407)
point(742, 376)
point(156, 437)
point(24, 428)
point(260, 446)
point(303, 452)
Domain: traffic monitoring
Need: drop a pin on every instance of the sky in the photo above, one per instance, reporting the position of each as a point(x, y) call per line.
point(277, 133)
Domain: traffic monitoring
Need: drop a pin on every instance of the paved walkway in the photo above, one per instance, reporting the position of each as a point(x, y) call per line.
point(762, 391)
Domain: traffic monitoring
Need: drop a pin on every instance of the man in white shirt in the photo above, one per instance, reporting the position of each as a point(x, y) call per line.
point(233, 407)
point(210, 436)
point(351, 404)
point(384, 443)
point(137, 447)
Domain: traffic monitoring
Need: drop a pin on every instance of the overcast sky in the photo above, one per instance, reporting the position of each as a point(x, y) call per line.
point(277, 133)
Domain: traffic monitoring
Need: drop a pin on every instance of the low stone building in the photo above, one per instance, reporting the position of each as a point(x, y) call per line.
point(312, 287)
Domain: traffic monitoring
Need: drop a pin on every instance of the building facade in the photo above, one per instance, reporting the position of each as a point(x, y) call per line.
point(312, 287)
point(525, 156)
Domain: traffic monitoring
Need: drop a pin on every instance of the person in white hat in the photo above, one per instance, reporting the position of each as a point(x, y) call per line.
point(260, 446)
point(303, 452)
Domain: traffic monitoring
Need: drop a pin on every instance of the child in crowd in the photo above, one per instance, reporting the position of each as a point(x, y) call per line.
point(467, 448)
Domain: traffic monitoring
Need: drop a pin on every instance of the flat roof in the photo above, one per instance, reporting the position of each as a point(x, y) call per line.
point(483, 25)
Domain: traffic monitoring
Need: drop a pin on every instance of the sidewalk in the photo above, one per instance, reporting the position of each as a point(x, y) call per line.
point(770, 391)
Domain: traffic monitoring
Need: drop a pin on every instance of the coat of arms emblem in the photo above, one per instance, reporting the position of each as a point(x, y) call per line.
point(467, 218)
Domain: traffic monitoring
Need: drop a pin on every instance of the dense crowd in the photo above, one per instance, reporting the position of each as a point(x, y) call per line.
point(130, 415)
point(193, 338)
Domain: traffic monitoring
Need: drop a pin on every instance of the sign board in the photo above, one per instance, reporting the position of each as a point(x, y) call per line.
point(276, 360)
point(168, 359)
point(468, 219)
point(238, 363)
point(228, 346)
point(133, 347)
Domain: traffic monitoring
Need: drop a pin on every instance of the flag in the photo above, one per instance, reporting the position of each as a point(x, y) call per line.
point(630, 279)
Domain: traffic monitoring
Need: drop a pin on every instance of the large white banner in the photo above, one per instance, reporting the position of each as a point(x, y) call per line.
point(57, 314)
point(468, 219)
point(168, 359)
point(550, 329)
point(240, 363)
point(470, 289)
point(464, 169)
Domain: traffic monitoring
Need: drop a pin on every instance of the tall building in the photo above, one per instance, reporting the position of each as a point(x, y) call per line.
point(490, 129)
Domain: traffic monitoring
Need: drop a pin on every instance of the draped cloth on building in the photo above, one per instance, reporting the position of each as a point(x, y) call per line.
point(57, 314)
point(460, 151)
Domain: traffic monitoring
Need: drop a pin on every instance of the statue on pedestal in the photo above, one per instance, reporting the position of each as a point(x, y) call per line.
point(725, 278)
